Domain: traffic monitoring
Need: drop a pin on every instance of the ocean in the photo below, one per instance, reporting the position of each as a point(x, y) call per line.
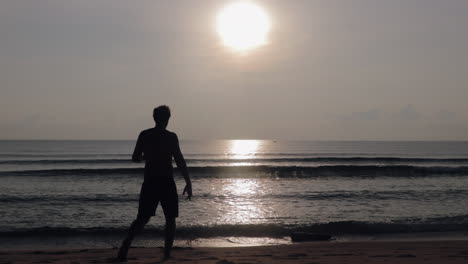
point(246, 192)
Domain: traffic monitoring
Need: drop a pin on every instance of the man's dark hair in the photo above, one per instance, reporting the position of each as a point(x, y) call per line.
point(161, 114)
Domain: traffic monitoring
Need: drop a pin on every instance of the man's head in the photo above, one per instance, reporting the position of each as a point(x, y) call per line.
point(161, 115)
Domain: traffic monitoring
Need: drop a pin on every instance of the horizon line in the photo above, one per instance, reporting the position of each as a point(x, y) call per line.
point(296, 140)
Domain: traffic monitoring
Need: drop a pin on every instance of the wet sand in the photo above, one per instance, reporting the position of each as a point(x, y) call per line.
point(303, 253)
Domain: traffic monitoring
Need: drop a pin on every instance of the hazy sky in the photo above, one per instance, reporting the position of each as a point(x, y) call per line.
point(345, 70)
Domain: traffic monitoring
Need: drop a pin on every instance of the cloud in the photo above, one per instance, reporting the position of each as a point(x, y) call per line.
point(20, 126)
point(369, 115)
point(408, 113)
point(445, 115)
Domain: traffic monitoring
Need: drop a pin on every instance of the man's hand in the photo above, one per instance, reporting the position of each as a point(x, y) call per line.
point(138, 158)
point(188, 190)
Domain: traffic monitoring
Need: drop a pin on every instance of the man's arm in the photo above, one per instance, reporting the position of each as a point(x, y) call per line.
point(180, 162)
point(138, 152)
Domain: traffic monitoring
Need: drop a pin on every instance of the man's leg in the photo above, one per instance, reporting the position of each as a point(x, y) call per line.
point(170, 206)
point(169, 233)
point(135, 228)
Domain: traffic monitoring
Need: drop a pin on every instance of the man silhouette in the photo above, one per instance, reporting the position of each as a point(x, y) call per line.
point(156, 146)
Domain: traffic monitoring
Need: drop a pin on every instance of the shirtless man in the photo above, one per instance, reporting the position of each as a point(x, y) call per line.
point(156, 146)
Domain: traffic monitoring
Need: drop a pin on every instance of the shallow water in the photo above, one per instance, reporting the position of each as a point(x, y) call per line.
point(242, 188)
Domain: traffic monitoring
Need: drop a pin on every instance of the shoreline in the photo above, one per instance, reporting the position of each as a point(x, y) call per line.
point(66, 242)
point(302, 253)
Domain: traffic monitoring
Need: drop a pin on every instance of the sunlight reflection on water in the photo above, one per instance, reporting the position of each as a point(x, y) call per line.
point(241, 209)
point(243, 149)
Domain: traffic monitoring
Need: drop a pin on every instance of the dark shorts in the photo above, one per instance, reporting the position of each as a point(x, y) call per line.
point(153, 193)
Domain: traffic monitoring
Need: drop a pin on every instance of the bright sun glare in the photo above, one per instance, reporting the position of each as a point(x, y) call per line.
point(242, 149)
point(243, 26)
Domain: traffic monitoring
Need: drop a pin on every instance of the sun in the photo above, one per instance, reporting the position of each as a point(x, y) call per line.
point(243, 26)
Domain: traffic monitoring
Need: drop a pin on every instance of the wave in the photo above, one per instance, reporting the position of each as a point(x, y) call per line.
point(268, 171)
point(67, 198)
point(339, 195)
point(266, 154)
point(60, 155)
point(346, 160)
point(66, 161)
point(442, 224)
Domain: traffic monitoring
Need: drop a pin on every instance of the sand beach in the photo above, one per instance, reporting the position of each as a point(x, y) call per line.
point(300, 253)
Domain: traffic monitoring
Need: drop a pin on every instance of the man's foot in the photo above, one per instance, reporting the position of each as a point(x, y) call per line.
point(167, 255)
point(122, 255)
point(116, 260)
